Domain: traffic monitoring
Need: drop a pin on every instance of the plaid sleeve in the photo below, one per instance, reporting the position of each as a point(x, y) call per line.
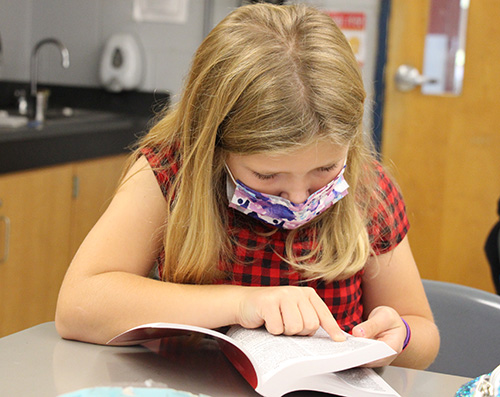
point(164, 164)
point(389, 224)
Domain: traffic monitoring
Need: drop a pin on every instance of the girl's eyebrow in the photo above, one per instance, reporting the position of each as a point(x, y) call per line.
point(332, 164)
point(329, 165)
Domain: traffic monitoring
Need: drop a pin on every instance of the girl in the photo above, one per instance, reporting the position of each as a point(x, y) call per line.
point(257, 201)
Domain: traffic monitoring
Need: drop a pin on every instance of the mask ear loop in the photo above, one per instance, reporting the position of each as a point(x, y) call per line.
point(230, 173)
point(230, 188)
point(345, 161)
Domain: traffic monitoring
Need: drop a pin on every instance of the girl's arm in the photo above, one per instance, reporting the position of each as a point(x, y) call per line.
point(106, 289)
point(392, 289)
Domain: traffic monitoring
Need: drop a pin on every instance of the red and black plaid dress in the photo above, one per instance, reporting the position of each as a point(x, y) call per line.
point(259, 260)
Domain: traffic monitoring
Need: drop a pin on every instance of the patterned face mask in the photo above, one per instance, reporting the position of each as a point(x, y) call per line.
point(280, 212)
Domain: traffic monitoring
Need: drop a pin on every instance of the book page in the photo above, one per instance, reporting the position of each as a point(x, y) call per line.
point(364, 378)
point(271, 352)
point(359, 382)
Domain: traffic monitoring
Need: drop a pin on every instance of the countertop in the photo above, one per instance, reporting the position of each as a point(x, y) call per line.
point(104, 124)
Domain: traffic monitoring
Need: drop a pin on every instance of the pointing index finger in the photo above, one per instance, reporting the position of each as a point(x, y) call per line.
point(327, 321)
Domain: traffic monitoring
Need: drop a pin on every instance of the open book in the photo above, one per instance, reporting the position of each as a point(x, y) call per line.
point(275, 365)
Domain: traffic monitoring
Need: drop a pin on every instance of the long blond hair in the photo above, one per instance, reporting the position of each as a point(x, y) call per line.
point(267, 79)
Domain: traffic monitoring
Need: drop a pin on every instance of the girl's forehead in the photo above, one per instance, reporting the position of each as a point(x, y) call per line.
point(322, 148)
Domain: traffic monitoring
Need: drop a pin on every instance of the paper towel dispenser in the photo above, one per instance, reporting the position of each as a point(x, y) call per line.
point(121, 65)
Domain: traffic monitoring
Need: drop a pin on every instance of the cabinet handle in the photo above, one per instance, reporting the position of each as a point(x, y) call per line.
point(6, 221)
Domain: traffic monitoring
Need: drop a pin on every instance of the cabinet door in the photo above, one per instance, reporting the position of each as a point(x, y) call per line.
point(38, 206)
point(95, 182)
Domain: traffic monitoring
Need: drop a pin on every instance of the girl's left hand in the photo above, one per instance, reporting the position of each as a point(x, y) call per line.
point(384, 324)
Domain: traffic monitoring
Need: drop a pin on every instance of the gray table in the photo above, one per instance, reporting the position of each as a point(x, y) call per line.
point(37, 362)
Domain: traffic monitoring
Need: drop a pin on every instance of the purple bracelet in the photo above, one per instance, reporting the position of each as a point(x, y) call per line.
point(408, 334)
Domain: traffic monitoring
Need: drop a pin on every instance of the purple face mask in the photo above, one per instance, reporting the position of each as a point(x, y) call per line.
point(280, 212)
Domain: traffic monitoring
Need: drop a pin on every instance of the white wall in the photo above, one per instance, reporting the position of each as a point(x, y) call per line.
point(84, 26)
point(15, 30)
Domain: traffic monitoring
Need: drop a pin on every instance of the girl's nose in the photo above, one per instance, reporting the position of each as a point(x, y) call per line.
point(296, 196)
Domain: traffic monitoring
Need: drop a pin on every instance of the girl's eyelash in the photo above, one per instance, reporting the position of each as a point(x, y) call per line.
point(329, 168)
point(264, 177)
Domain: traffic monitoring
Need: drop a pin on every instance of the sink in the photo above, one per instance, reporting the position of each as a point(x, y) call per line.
point(11, 119)
point(62, 113)
point(76, 115)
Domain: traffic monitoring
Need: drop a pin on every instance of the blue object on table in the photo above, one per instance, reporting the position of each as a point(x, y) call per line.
point(487, 385)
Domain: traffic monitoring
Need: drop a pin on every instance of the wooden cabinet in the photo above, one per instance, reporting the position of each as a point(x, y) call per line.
point(44, 216)
point(94, 184)
point(34, 232)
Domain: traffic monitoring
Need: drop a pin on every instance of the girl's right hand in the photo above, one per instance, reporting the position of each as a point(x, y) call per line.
point(286, 310)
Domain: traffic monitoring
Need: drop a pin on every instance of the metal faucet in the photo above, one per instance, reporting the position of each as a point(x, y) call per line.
point(34, 68)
